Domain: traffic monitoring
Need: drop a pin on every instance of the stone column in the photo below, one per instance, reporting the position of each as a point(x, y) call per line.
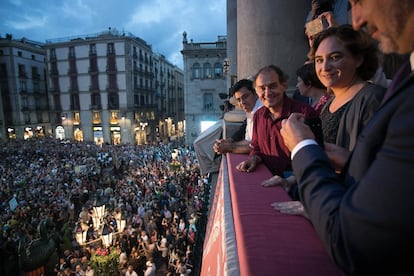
point(232, 41)
point(271, 32)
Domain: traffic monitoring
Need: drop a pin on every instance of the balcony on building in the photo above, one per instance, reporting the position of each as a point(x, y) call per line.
point(22, 74)
point(93, 70)
point(95, 106)
point(35, 76)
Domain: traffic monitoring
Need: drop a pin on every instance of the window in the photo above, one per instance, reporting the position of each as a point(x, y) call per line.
point(54, 67)
point(3, 70)
point(22, 71)
point(23, 86)
point(71, 52)
point(208, 101)
point(114, 118)
point(33, 57)
point(19, 53)
point(135, 82)
point(94, 82)
point(52, 53)
point(74, 101)
point(92, 49)
point(111, 49)
point(76, 118)
point(25, 102)
point(137, 117)
point(36, 87)
point(27, 117)
point(207, 70)
point(218, 70)
point(95, 100)
point(96, 117)
point(35, 73)
point(74, 84)
point(196, 71)
point(113, 101)
point(112, 84)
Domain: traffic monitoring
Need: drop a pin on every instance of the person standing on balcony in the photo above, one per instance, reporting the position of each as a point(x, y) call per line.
point(267, 144)
point(364, 217)
point(245, 95)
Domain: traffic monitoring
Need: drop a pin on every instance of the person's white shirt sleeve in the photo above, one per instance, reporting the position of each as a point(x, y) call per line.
point(301, 145)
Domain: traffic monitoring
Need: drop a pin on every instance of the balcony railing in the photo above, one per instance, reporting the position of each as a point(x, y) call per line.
point(95, 107)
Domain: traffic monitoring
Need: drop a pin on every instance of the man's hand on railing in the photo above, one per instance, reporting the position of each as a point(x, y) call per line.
point(250, 164)
point(277, 180)
point(290, 208)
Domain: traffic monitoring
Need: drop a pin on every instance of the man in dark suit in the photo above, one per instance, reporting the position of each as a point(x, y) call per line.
point(365, 215)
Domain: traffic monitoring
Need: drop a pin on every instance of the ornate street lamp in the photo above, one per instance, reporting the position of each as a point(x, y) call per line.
point(120, 223)
point(98, 214)
point(81, 234)
point(174, 154)
point(142, 131)
point(106, 237)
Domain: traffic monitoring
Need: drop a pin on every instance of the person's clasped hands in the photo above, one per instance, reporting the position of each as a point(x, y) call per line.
point(223, 146)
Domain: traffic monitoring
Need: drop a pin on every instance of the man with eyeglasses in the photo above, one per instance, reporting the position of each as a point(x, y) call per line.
point(364, 217)
point(245, 95)
point(267, 145)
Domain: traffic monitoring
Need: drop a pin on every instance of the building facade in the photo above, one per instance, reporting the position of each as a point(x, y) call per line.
point(24, 108)
point(204, 81)
point(111, 88)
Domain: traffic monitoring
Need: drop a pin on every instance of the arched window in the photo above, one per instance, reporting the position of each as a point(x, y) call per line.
point(218, 70)
point(207, 71)
point(196, 71)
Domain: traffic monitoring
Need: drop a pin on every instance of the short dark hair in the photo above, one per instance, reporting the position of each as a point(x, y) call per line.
point(359, 43)
point(308, 74)
point(248, 84)
point(282, 76)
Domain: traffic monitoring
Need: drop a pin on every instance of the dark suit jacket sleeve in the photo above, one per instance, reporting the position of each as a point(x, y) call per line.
point(366, 220)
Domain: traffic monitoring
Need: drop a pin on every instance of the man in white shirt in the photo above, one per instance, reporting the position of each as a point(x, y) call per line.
point(245, 95)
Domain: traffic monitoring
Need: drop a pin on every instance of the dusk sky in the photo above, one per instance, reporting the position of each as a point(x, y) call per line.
point(159, 22)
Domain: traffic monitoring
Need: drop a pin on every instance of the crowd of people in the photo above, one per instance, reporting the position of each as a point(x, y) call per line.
point(163, 202)
point(355, 188)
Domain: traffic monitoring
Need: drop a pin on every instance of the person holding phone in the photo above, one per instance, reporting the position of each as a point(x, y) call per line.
point(325, 14)
point(364, 218)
